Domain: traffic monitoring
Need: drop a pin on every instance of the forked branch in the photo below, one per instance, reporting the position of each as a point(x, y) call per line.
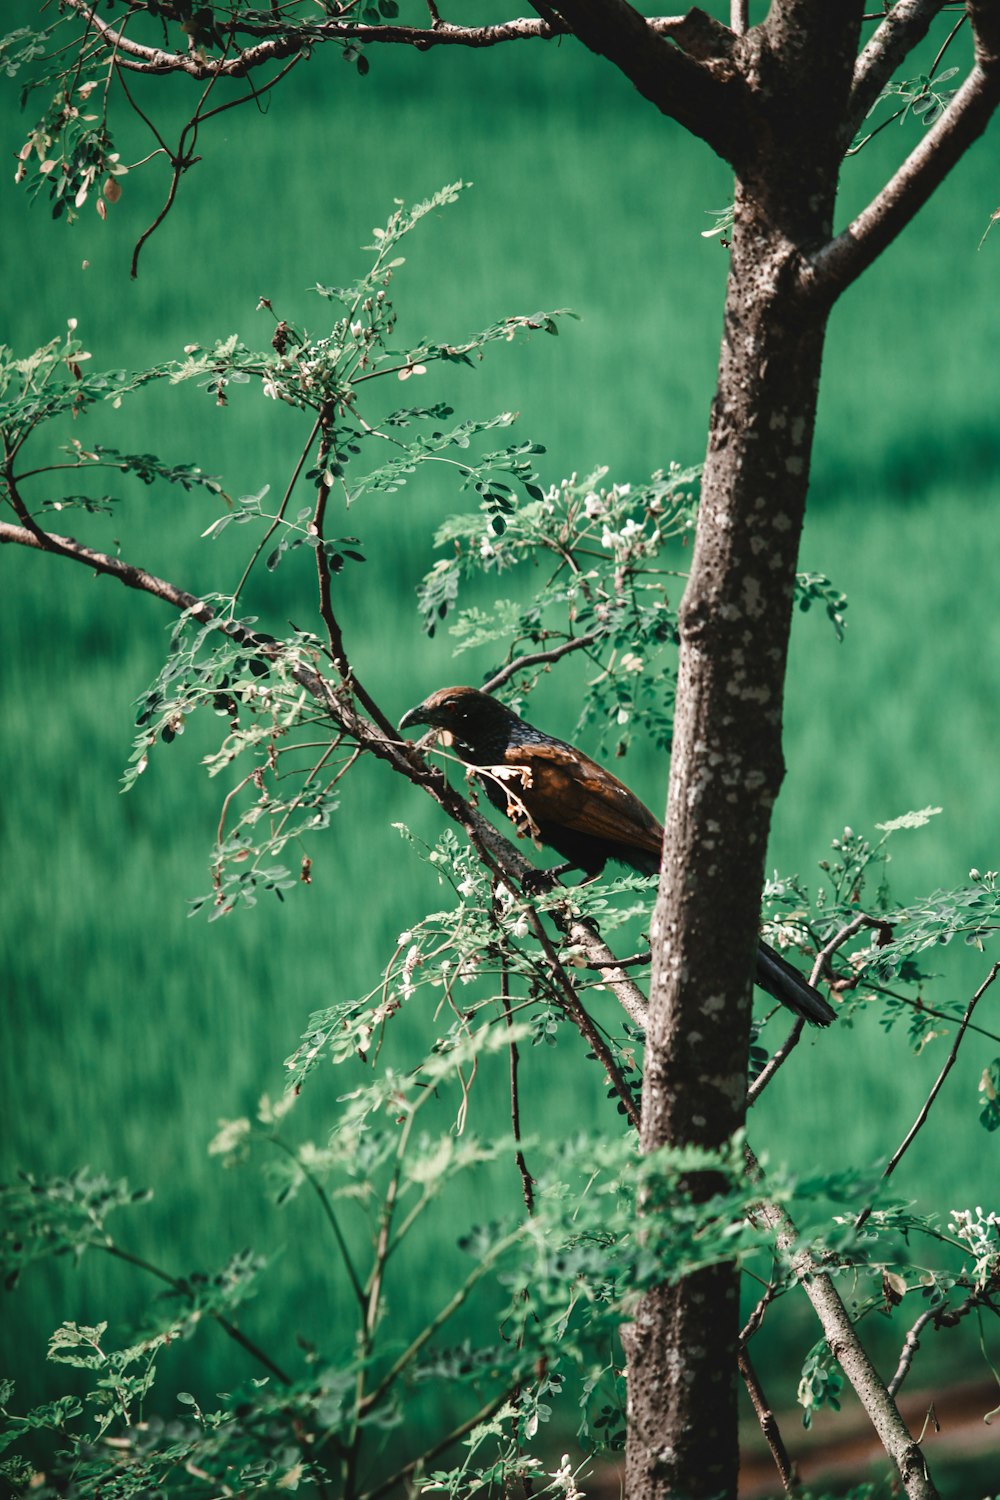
point(840, 262)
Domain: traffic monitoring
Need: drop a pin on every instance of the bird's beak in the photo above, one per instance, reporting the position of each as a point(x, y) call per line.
point(416, 715)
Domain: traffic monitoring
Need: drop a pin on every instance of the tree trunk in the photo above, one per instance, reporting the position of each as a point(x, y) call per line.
point(726, 771)
point(727, 764)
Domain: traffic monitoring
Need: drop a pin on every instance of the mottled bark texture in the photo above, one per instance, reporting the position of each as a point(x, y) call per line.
point(793, 89)
point(727, 764)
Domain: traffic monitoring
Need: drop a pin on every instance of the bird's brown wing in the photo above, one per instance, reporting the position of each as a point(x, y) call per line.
point(559, 785)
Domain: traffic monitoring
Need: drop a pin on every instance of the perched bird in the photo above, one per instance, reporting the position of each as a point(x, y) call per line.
point(555, 793)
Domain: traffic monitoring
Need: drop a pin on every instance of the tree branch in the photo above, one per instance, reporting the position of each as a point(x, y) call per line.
point(828, 273)
point(818, 970)
point(696, 82)
point(278, 43)
point(910, 1346)
point(600, 957)
point(847, 1349)
point(538, 658)
point(925, 1109)
point(499, 856)
point(906, 24)
point(768, 1421)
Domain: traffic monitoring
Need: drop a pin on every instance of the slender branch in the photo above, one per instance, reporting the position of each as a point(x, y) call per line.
point(179, 165)
point(905, 25)
point(910, 1346)
point(756, 1318)
point(527, 1181)
point(178, 1284)
point(925, 1109)
point(570, 1002)
point(537, 658)
point(331, 1217)
point(276, 522)
point(298, 40)
point(915, 1004)
point(482, 1415)
point(438, 1321)
point(847, 1349)
point(600, 957)
point(819, 968)
point(768, 1421)
point(840, 262)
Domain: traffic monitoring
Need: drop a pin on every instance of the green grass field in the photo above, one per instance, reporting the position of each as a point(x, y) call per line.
point(129, 1030)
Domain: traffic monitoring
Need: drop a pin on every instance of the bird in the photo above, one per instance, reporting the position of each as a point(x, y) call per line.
point(553, 792)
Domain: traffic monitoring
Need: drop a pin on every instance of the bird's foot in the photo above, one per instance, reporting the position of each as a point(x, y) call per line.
point(540, 882)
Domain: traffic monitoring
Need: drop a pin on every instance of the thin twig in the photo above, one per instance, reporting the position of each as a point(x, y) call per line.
point(569, 1001)
point(756, 1318)
point(768, 1422)
point(845, 1344)
point(482, 1415)
point(331, 1217)
point(180, 1286)
point(910, 1346)
point(276, 521)
point(536, 658)
point(527, 1181)
point(819, 967)
point(925, 1109)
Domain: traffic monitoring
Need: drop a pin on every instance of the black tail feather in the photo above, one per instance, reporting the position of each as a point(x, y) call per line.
point(784, 982)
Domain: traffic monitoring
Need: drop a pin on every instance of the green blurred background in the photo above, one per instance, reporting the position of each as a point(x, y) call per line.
point(129, 1030)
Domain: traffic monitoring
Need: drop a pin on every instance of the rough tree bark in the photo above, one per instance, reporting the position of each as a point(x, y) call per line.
point(727, 764)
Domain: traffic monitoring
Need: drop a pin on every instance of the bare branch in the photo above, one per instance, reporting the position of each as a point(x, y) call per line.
point(818, 970)
point(291, 40)
point(832, 269)
point(910, 1346)
point(538, 658)
point(527, 1181)
point(600, 957)
point(696, 82)
point(925, 1110)
point(905, 25)
point(847, 1348)
point(768, 1421)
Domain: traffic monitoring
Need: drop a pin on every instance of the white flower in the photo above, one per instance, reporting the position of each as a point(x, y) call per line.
point(593, 505)
point(564, 1482)
point(467, 887)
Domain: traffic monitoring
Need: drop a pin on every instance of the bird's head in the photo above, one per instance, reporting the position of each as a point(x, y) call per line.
point(477, 725)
